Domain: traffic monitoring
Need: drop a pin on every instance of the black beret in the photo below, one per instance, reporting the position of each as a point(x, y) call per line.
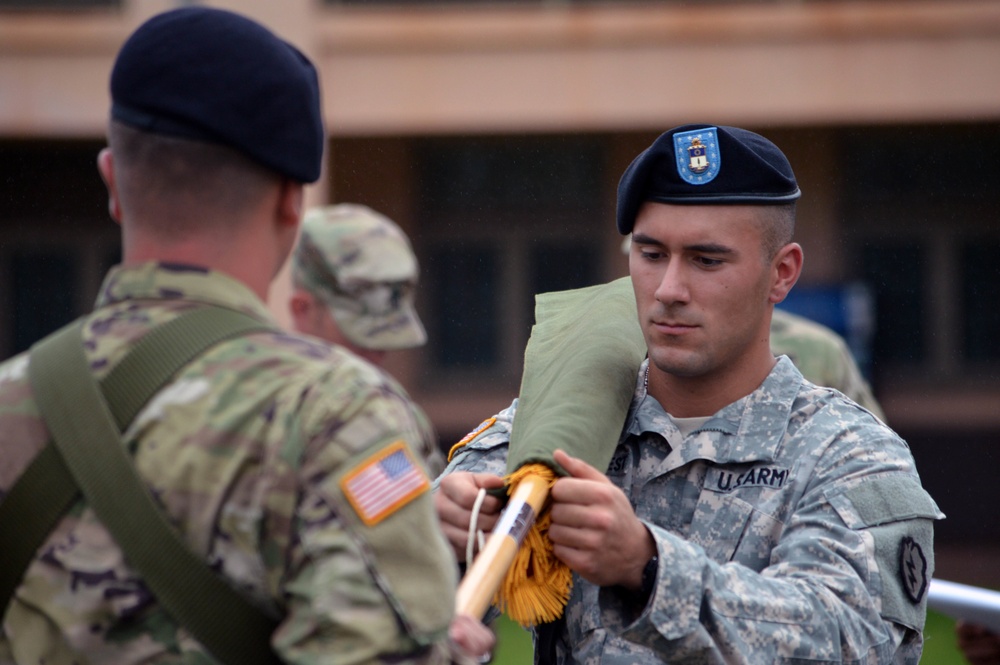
point(705, 165)
point(215, 76)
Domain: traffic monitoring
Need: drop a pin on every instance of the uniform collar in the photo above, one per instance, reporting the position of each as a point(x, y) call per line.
point(172, 281)
point(749, 429)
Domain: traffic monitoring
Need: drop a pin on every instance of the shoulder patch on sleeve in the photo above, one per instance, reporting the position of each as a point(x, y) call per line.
point(384, 483)
point(482, 427)
point(913, 568)
point(904, 555)
point(898, 515)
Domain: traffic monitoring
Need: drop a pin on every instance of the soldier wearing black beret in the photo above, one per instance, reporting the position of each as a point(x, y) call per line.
point(703, 165)
point(746, 515)
point(264, 504)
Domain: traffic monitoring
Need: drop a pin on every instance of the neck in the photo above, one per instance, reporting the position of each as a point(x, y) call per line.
point(240, 255)
point(692, 397)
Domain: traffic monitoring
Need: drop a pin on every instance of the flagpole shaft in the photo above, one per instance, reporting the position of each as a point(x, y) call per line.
point(483, 578)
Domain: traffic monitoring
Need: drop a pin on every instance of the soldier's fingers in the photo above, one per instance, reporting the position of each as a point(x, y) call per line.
point(577, 516)
point(487, 481)
point(583, 492)
point(463, 487)
point(471, 636)
point(454, 507)
point(577, 468)
point(457, 538)
point(580, 561)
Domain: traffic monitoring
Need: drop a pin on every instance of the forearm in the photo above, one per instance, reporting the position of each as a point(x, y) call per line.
point(700, 609)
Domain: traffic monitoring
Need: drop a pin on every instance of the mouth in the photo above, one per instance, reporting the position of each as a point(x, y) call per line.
point(672, 327)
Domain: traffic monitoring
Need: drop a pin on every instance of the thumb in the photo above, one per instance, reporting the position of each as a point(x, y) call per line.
point(488, 481)
point(576, 467)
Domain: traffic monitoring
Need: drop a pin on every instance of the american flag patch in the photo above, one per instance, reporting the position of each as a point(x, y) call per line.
point(486, 424)
point(384, 483)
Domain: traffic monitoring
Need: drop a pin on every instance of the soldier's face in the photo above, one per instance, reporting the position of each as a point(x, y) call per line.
point(702, 286)
point(314, 318)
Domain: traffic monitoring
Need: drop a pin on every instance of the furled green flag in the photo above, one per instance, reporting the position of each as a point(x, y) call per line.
point(580, 369)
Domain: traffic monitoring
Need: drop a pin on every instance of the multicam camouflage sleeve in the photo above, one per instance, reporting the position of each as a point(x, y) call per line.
point(370, 577)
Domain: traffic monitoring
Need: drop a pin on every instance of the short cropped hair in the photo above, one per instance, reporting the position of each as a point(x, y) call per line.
point(777, 225)
point(164, 173)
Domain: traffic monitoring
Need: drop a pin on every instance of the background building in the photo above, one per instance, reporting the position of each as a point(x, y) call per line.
point(495, 134)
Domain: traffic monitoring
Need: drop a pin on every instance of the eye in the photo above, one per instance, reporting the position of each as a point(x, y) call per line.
point(708, 261)
point(650, 254)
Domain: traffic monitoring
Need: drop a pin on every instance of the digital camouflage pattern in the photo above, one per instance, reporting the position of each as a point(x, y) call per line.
point(822, 356)
point(245, 451)
point(360, 264)
point(790, 527)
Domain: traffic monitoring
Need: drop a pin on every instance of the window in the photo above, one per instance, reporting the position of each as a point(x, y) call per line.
point(57, 238)
point(895, 271)
point(920, 208)
point(44, 294)
point(501, 219)
point(466, 293)
point(980, 283)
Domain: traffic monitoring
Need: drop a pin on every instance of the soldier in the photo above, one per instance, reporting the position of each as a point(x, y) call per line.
point(354, 275)
point(747, 515)
point(353, 279)
point(257, 450)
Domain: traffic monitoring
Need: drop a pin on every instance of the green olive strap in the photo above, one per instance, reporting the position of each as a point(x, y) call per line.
point(86, 432)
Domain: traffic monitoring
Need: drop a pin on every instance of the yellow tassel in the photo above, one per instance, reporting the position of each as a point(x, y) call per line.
point(537, 585)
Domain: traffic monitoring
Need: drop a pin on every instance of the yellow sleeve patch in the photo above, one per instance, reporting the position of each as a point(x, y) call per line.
point(384, 483)
point(483, 426)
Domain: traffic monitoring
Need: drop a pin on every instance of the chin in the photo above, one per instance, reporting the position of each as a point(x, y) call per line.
point(682, 364)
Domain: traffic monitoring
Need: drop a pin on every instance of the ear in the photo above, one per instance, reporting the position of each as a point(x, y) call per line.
point(106, 167)
point(785, 269)
point(291, 199)
point(300, 305)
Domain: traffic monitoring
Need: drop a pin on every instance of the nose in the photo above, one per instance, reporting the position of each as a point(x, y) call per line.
point(673, 286)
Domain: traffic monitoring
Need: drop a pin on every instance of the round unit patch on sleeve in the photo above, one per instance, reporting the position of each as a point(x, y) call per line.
point(384, 483)
point(913, 568)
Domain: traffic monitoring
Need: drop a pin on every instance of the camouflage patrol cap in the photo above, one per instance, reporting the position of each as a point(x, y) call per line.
point(706, 165)
point(361, 265)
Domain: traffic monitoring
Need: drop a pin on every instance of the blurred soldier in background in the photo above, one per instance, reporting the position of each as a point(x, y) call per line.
point(353, 279)
point(354, 275)
point(980, 645)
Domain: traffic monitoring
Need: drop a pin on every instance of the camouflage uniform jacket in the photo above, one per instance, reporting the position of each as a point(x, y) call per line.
point(790, 527)
point(249, 452)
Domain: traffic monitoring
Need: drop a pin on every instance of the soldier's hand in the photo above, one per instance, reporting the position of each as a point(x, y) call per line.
point(471, 638)
point(594, 530)
point(454, 500)
point(978, 644)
